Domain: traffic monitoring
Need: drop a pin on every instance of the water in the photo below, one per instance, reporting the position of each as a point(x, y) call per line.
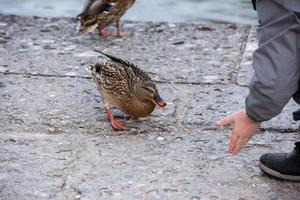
point(193, 11)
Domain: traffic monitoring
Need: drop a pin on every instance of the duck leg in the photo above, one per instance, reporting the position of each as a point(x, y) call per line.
point(115, 124)
point(119, 32)
point(139, 119)
point(104, 33)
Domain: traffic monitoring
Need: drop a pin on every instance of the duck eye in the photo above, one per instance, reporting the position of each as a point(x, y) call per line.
point(148, 89)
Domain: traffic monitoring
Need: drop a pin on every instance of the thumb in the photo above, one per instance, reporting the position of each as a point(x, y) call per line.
point(225, 121)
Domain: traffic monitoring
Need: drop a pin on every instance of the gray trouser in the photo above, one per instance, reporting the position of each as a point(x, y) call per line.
point(276, 62)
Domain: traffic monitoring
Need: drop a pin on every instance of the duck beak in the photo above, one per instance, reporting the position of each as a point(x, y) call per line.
point(83, 29)
point(159, 102)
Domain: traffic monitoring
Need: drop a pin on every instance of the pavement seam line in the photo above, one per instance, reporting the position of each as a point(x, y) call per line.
point(235, 71)
point(86, 77)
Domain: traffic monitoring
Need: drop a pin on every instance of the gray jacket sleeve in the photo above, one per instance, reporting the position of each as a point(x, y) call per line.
point(276, 61)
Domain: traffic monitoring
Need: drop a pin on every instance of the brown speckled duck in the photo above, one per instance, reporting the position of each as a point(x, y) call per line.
point(125, 86)
point(101, 13)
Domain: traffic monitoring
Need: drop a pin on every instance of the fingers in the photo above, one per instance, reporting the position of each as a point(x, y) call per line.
point(225, 121)
point(233, 142)
point(240, 145)
point(237, 142)
point(243, 129)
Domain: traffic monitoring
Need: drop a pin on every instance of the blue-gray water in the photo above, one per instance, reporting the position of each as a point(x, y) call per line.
point(198, 11)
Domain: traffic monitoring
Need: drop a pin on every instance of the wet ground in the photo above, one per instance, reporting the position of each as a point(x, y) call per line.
point(56, 142)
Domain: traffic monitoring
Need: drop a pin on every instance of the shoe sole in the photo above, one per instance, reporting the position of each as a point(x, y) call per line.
point(271, 172)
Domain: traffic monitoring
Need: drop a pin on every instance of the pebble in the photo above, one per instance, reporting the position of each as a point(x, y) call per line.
point(48, 41)
point(70, 48)
point(210, 78)
point(41, 194)
point(172, 25)
point(2, 41)
point(177, 59)
point(3, 69)
point(87, 54)
point(71, 74)
point(48, 47)
point(160, 139)
point(51, 129)
point(214, 157)
point(3, 176)
point(178, 43)
point(2, 24)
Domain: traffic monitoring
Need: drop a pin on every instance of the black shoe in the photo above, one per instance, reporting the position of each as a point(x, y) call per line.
point(296, 115)
point(284, 166)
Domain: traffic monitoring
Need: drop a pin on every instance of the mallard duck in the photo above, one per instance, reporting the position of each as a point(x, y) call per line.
point(101, 13)
point(125, 86)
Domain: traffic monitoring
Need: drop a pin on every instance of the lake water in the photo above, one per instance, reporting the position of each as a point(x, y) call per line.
point(194, 11)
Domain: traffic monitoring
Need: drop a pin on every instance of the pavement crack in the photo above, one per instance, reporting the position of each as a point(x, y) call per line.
point(63, 185)
point(280, 130)
point(87, 77)
point(242, 85)
point(244, 39)
point(189, 83)
point(44, 75)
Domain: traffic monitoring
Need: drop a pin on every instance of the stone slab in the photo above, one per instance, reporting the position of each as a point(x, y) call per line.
point(171, 52)
point(57, 105)
point(180, 164)
point(206, 104)
point(54, 105)
point(245, 70)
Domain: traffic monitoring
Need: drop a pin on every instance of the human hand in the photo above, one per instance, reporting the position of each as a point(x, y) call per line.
point(243, 129)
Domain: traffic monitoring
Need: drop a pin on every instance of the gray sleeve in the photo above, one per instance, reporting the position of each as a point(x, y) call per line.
point(275, 62)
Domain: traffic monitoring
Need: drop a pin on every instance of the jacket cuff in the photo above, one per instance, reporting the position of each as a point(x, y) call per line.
point(253, 116)
point(251, 112)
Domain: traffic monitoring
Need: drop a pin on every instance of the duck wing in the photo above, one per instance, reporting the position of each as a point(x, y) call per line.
point(143, 76)
point(113, 79)
point(94, 7)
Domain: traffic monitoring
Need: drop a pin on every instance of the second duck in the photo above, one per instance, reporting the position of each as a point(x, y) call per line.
point(100, 13)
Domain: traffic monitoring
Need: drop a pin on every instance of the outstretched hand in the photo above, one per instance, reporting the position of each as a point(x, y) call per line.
point(243, 129)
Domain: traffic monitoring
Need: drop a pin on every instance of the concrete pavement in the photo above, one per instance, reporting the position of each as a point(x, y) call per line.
point(56, 142)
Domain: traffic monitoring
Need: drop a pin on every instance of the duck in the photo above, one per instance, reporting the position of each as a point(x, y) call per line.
point(100, 13)
point(125, 86)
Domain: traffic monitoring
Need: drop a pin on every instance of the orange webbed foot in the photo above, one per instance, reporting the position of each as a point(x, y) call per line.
point(117, 125)
point(114, 123)
point(141, 119)
point(120, 34)
point(104, 33)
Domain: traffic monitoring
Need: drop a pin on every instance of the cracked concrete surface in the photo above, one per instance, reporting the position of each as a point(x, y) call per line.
point(56, 142)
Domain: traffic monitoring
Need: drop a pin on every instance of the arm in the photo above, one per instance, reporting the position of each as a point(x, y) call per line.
point(276, 76)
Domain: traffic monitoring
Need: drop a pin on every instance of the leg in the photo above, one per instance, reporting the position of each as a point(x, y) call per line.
point(139, 119)
point(115, 124)
point(104, 32)
point(119, 33)
point(296, 97)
